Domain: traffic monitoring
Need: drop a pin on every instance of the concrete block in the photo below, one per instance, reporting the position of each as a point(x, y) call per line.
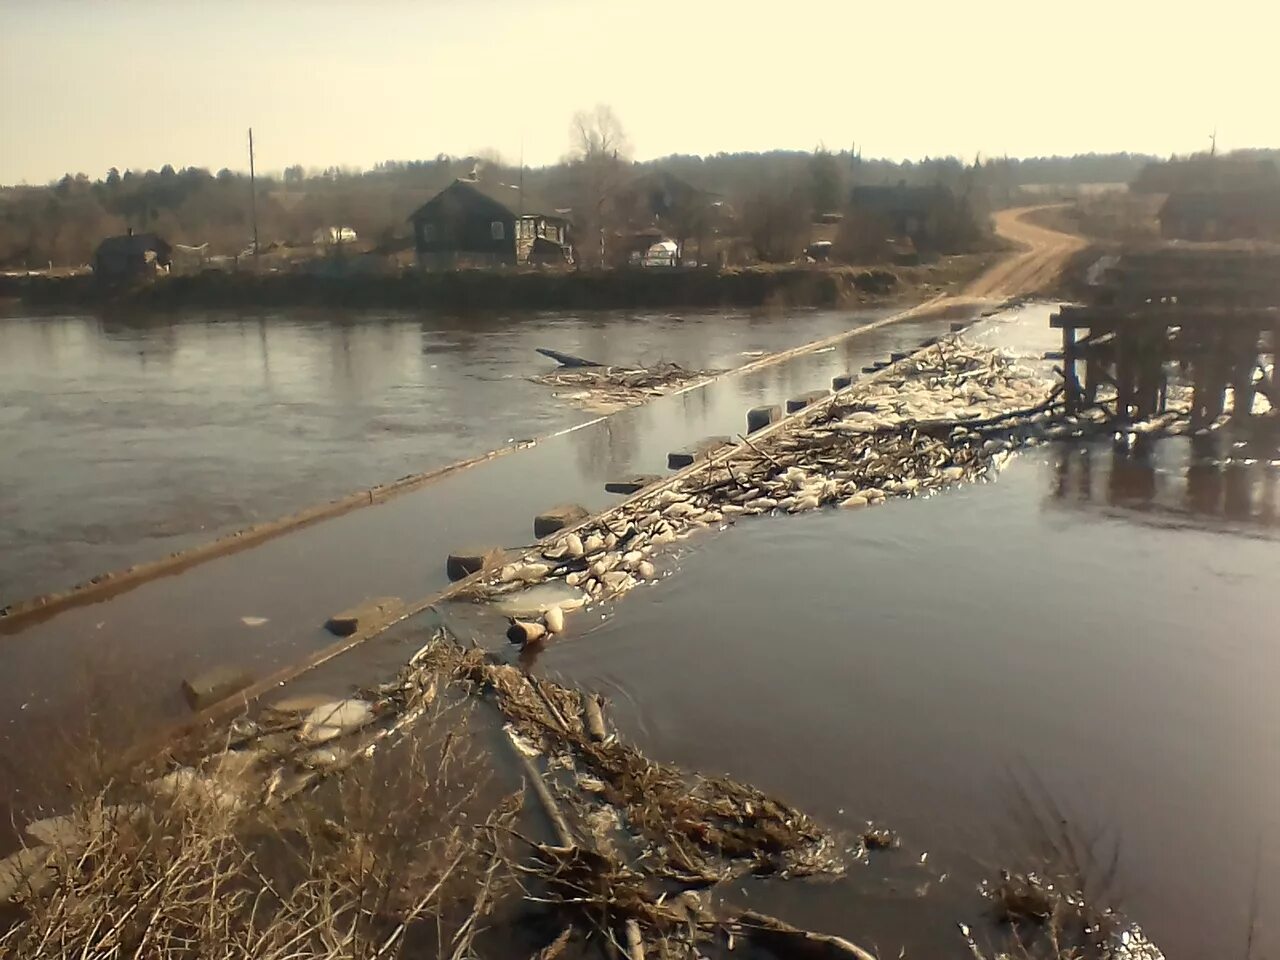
point(841, 382)
point(464, 562)
point(760, 417)
point(870, 369)
point(557, 518)
point(214, 685)
point(896, 356)
point(631, 484)
point(958, 325)
point(364, 616)
point(679, 459)
point(805, 399)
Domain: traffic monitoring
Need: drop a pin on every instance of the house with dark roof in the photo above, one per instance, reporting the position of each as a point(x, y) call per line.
point(133, 256)
point(1252, 214)
point(470, 223)
point(917, 213)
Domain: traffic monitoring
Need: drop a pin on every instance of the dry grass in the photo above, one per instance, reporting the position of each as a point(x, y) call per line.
point(366, 866)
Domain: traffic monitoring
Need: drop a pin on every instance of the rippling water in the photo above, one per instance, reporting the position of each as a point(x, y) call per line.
point(126, 439)
point(1090, 640)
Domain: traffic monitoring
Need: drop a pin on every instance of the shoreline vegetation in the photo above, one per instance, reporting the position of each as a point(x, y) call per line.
point(465, 291)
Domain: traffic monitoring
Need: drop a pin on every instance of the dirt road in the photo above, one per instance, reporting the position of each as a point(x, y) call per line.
point(1045, 252)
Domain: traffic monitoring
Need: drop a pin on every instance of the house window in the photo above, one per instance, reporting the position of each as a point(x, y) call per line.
point(496, 230)
point(428, 232)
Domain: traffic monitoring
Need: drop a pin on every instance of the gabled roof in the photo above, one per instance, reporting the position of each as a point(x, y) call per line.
point(506, 198)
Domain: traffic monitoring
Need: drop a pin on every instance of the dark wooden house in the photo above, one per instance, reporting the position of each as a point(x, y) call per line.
point(133, 256)
point(921, 214)
point(470, 223)
point(1222, 215)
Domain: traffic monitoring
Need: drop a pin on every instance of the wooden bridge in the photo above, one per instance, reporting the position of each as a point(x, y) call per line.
point(1211, 314)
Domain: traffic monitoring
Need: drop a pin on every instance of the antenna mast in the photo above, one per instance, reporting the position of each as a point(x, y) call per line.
point(253, 200)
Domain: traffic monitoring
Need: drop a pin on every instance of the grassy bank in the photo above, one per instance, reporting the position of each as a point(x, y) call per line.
point(465, 290)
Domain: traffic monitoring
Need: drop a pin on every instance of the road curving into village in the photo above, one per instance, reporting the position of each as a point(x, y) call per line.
point(1043, 254)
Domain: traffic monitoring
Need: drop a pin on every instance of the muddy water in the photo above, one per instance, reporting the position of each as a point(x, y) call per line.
point(1088, 644)
point(123, 659)
point(126, 439)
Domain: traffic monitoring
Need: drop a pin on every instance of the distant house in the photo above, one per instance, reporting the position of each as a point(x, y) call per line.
point(132, 256)
point(922, 214)
point(657, 205)
point(1221, 215)
point(470, 223)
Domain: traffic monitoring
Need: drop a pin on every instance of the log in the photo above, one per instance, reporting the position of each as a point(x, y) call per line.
point(525, 633)
point(593, 717)
point(635, 943)
point(784, 940)
point(567, 359)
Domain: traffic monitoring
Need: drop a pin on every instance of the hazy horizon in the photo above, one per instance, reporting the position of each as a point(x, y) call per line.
point(90, 86)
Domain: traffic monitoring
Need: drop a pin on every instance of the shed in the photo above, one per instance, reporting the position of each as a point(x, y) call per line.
point(132, 256)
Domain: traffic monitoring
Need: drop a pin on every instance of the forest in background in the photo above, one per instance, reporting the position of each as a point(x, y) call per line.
point(62, 223)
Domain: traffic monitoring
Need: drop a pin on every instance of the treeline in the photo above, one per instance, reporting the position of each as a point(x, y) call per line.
point(63, 222)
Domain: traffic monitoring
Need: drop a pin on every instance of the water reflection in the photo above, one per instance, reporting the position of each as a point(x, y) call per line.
point(1194, 479)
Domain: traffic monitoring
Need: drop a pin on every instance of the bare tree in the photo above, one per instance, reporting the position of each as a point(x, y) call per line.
point(598, 152)
point(598, 133)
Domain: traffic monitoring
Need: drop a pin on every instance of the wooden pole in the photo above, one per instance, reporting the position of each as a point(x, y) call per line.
point(253, 202)
point(1070, 380)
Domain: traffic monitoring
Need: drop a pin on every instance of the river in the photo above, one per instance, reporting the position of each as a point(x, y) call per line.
point(125, 439)
point(1086, 644)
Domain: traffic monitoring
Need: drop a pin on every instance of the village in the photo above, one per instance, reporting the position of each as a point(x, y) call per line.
point(813, 510)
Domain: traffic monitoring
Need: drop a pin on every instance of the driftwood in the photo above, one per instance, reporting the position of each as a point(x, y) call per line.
point(784, 940)
point(567, 359)
point(593, 717)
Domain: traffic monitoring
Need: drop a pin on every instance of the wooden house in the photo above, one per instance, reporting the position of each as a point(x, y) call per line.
point(133, 256)
point(470, 223)
point(921, 214)
point(1221, 215)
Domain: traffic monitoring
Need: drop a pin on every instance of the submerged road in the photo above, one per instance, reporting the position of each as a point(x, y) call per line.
point(123, 658)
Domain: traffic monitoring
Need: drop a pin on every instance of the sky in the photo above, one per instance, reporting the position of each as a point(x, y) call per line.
point(86, 85)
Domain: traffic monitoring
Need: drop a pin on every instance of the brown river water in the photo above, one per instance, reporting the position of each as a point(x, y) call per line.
point(123, 439)
point(1088, 642)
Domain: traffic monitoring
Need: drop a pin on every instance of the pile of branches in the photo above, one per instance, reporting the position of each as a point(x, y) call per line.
point(622, 386)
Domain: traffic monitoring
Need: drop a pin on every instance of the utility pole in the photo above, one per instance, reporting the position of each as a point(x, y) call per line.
point(253, 202)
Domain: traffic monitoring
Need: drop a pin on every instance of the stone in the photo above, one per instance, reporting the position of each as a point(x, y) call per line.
point(806, 399)
point(338, 718)
point(557, 518)
point(957, 326)
point(678, 459)
point(554, 619)
point(633, 483)
point(646, 570)
point(214, 685)
point(760, 417)
point(897, 355)
point(364, 616)
point(842, 382)
point(296, 705)
point(469, 560)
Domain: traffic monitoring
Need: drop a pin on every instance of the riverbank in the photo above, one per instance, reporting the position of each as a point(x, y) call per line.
point(470, 291)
